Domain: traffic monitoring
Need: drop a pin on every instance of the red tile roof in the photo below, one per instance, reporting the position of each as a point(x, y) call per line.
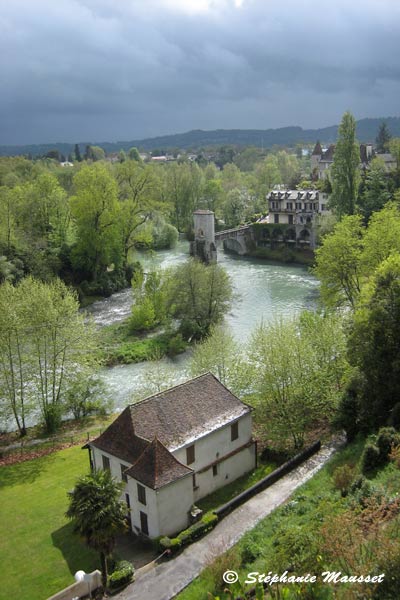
point(174, 418)
point(157, 467)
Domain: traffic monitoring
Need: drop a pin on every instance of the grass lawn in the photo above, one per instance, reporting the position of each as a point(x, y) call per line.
point(231, 490)
point(39, 553)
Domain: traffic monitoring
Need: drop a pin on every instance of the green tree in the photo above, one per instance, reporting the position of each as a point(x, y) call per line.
point(345, 171)
point(98, 513)
point(289, 168)
point(77, 153)
point(183, 188)
point(95, 210)
point(268, 175)
point(381, 238)
point(94, 153)
point(197, 295)
point(297, 369)
point(134, 154)
point(383, 138)
point(221, 354)
point(376, 193)
point(338, 263)
point(138, 203)
point(44, 342)
point(374, 343)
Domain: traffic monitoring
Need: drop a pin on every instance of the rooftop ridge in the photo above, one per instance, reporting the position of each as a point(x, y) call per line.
point(173, 387)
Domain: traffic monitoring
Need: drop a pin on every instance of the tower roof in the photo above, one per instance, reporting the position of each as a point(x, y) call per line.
point(157, 467)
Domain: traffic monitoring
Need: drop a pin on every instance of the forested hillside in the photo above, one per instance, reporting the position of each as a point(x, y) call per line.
point(367, 130)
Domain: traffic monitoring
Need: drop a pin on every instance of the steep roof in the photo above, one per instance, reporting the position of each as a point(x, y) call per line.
point(186, 412)
point(176, 417)
point(328, 154)
point(120, 439)
point(157, 467)
point(317, 149)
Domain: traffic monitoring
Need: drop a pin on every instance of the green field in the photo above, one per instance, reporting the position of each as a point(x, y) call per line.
point(39, 553)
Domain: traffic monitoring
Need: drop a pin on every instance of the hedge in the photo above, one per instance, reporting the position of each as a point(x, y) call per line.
point(189, 535)
point(122, 575)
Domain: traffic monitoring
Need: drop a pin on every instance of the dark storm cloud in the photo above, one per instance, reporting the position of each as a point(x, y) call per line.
point(100, 69)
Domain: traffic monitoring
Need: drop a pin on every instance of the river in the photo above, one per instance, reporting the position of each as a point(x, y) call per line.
point(262, 291)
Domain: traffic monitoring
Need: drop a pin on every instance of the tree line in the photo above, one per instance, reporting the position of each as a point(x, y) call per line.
point(82, 223)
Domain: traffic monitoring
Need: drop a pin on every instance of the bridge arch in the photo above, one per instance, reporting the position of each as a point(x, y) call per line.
point(234, 245)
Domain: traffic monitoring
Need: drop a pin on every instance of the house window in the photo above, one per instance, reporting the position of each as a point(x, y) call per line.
point(315, 205)
point(215, 470)
point(106, 463)
point(141, 493)
point(276, 218)
point(290, 219)
point(124, 477)
point(128, 501)
point(190, 455)
point(298, 205)
point(234, 431)
point(289, 205)
point(322, 206)
point(144, 526)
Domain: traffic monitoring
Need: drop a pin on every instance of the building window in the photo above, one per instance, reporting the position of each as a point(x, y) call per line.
point(298, 205)
point(322, 206)
point(124, 476)
point(315, 205)
point(106, 463)
point(289, 205)
point(190, 455)
point(141, 493)
point(234, 431)
point(290, 219)
point(128, 501)
point(276, 218)
point(144, 526)
point(215, 470)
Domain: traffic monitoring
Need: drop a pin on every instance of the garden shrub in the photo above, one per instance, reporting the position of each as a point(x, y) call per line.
point(387, 437)
point(370, 459)
point(190, 534)
point(342, 479)
point(122, 575)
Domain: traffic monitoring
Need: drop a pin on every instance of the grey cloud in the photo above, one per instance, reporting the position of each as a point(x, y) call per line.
point(97, 69)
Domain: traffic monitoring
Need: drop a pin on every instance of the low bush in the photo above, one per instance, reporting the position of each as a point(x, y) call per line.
point(370, 459)
point(342, 479)
point(387, 437)
point(189, 535)
point(122, 575)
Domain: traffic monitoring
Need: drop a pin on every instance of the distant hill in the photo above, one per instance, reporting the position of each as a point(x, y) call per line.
point(196, 139)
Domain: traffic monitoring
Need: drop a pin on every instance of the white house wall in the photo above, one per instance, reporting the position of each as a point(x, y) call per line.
point(150, 508)
point(227, 471)
point(174, 503)
point(215, 446)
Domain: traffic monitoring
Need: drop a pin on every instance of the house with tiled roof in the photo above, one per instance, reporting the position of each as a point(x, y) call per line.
point(176, 447)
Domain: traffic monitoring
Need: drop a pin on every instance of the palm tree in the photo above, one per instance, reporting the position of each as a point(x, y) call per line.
point(98, 513)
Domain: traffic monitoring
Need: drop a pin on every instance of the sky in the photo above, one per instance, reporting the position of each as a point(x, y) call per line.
point(109, 70)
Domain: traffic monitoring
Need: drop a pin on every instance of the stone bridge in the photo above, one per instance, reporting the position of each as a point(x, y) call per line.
point(234, 239)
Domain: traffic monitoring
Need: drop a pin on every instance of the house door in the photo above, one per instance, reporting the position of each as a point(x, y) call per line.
point(144, 526)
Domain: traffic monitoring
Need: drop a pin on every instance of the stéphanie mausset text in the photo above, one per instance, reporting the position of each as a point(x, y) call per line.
point(325, 577)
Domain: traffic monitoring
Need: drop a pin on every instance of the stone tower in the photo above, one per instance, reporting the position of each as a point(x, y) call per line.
point(203, 246)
